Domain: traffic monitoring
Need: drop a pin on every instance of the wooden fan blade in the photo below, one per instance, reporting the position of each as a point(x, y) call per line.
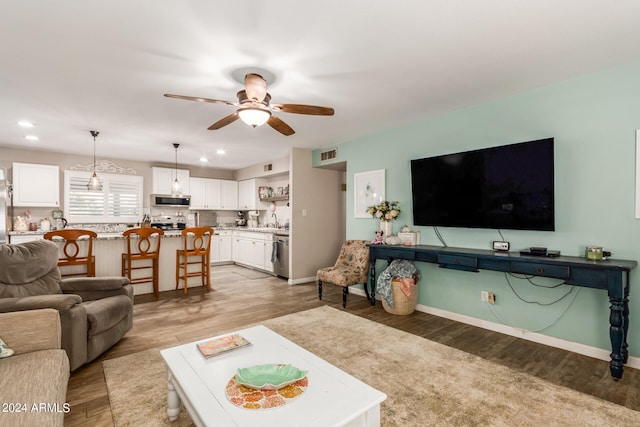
point(303, 109)
point(255, 86)
point(225, 121)
point(194, 98)
point(280, 126)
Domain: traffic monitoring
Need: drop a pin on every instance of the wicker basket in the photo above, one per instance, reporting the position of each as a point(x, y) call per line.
point(402, 304)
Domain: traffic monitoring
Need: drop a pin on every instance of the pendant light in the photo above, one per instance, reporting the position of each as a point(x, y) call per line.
point(94, 182)
point(175, 188)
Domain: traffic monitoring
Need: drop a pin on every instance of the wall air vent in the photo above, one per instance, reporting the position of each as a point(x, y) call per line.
point(329, 155)
point(268, 167)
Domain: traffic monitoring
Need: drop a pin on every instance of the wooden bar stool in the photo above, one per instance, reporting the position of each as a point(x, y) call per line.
point(73, 253)
point(148, 249)
point(197, 244)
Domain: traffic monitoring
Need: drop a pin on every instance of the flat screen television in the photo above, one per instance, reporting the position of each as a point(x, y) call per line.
point(505, 187)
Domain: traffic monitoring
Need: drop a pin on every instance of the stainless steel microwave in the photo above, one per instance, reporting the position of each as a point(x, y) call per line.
point(170, 201)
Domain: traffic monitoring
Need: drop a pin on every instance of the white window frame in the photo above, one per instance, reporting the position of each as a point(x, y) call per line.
point(102, 200)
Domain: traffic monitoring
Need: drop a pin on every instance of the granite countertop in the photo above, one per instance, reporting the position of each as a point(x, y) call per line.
point(170, 233)
point(101, 235)
point(24, 233)
point(272, 230)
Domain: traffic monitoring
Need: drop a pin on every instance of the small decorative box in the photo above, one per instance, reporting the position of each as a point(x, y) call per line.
point(409, 238)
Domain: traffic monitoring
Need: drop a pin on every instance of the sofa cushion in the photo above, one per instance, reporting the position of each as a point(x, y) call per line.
point(29, 269)
point(60, 302)
point(342, 276)
point(35, 378)
point(104, 313)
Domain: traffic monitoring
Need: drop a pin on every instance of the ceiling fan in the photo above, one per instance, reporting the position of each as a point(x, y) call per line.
point(255, 109)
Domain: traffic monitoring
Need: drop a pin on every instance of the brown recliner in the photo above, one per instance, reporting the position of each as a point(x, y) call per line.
point(95, 312)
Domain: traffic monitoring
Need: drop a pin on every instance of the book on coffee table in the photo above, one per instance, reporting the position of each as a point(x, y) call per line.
point(221, 345)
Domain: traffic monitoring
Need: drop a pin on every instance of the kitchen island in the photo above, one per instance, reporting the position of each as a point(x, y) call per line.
point(108, 247)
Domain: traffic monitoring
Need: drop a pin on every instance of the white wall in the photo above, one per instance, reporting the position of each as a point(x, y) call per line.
point(317, 236)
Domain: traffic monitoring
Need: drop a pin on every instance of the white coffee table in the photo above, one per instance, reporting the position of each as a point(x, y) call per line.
point(332, 397)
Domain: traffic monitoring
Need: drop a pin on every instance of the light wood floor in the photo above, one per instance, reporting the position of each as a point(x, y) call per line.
point(242, 296)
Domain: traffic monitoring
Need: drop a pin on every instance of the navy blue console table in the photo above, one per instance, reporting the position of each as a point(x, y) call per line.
point(611, 275)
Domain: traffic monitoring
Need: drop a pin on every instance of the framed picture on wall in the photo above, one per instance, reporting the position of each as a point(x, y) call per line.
point(368, 190)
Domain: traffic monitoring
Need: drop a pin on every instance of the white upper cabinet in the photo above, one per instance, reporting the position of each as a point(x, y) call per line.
point(228, 195)
point(162, 180)
point(205, 193)
point(36, 185)
point(213, 194)
point(248, 198)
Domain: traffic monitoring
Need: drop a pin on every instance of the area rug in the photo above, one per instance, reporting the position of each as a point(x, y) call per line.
point(427, 383)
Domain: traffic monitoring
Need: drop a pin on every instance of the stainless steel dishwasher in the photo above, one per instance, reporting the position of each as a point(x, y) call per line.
point(281, 266)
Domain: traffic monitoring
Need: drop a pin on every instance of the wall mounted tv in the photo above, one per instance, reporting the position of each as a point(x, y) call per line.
point(505, 187)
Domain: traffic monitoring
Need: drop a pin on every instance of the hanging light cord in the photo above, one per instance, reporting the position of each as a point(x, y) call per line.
point(176, 150)
point(94, 134)
point(94, 153)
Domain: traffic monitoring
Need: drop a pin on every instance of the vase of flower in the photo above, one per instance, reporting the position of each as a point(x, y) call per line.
point(387, 228)
point(386, 212)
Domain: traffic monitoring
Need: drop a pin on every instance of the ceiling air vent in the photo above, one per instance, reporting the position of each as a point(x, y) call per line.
point(268, 167)
point(329, 155)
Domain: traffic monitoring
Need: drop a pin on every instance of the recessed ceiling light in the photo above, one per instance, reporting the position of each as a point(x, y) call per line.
point(25, 124)
point(32, 137)
point(204, 159)
point(221, 152)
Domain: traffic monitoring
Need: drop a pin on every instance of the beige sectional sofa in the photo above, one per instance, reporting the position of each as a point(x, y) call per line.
point(33, 382)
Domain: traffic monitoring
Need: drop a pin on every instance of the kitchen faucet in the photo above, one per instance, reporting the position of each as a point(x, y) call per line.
point(273, 215)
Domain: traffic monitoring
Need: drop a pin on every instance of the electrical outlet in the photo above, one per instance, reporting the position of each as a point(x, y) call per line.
point(500, 245)
point(484, 296)
point(491, 298)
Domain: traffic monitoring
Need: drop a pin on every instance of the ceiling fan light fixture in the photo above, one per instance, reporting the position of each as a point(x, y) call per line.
point(254, 116)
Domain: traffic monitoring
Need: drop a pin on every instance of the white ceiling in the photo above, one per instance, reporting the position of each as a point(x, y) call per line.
point(72, 66)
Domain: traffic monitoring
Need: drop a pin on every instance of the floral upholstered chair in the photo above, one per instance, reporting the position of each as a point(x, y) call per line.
point(351, 268)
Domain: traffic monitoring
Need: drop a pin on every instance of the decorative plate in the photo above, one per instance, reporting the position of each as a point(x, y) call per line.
point(249, 398)
point(269, 377)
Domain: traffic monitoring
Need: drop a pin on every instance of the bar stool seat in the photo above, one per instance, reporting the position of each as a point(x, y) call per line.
point(197, 244)
point(74, 253)
point(146, 257)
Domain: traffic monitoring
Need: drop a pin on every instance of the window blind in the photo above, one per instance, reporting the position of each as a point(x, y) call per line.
point(119, 201)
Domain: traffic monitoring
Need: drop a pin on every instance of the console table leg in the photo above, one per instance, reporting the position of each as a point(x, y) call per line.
point(372, 282)
point(616, 335)
point(625, 323)
point(173, 401)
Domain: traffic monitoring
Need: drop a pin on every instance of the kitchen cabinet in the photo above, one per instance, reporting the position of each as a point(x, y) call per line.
point(268, 250)
point(162, 180)
point(224, 248)
point(213, 194)
point(228, 194)
point(253, 249)
point(221, 247)
point(241, 249)
point(205, 193)
point(214, 252)
point(248, 197)
point(36, 185)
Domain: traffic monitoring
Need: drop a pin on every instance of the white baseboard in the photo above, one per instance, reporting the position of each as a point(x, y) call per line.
point(586, 350)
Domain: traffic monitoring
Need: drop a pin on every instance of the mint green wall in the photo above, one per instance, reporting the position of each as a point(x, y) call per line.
point(593, 119)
